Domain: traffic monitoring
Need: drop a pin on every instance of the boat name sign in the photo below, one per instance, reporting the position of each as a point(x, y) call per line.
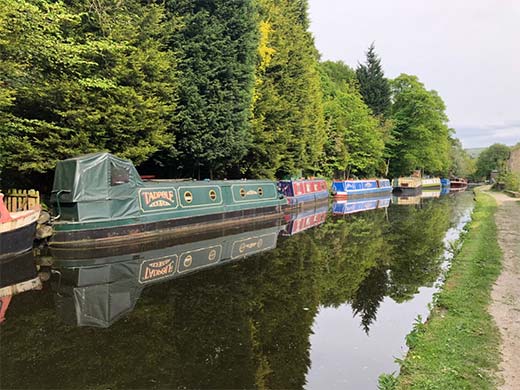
point(157, 269)
point(157, 199)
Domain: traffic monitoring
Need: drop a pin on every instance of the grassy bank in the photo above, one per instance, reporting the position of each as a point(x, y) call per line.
point(458, 347)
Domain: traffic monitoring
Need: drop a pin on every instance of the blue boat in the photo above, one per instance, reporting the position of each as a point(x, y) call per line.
point(352, 206)
point(445, 183)
point(298, 192)
point(356, 188)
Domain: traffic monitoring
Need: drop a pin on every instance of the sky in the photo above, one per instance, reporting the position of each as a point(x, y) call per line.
point(467, 50)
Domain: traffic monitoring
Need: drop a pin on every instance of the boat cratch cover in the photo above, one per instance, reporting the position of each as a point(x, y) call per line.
point(96, 186)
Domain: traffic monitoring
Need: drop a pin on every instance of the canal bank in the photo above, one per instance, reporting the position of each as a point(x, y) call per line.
point(458, 347)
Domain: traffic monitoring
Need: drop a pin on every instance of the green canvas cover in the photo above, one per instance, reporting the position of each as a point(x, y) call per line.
point(96, 186)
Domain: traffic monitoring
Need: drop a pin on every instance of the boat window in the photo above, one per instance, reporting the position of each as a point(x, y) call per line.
point(119, 175)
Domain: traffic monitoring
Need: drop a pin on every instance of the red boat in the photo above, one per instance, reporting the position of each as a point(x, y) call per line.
point(16, 230)
point(458, 185)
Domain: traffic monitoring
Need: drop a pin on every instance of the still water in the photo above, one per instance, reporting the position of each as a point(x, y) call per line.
point(320, 300)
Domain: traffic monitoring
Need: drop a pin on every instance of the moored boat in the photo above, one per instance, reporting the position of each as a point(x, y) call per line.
point(99, 199)
point(17, 230)
point(445, 183)
point(458, 185)
point(409, 184)
point(431, 183)
point(360, 188)
point(298, 192)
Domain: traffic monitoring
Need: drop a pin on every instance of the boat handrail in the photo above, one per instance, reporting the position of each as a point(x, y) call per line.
point(58, 193)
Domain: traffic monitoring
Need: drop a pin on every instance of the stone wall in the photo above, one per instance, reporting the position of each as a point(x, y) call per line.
point(514, 161)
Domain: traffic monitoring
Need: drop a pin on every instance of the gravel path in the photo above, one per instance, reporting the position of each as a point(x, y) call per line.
point(506, 292)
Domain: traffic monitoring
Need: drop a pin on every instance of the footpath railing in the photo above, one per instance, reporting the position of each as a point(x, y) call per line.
point(20, 200)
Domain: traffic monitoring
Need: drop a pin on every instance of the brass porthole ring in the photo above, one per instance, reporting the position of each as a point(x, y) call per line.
point(187, 261)
point(242, 193)
point(212, 195)
point(260, 191)
point(188, 197)
point(212, 255)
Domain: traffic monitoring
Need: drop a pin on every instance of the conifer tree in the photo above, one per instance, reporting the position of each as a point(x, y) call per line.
point(373, 85)
point(287, 123)
point(217, 45)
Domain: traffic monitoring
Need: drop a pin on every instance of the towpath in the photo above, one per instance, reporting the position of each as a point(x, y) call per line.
point(505, 307)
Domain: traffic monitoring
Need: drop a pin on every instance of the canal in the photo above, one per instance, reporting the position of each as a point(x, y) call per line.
point(315, 301)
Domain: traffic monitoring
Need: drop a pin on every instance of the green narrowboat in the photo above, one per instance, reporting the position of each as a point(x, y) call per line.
point(100, 199)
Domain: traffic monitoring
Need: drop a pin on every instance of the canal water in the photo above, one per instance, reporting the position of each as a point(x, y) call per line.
point(320, 300)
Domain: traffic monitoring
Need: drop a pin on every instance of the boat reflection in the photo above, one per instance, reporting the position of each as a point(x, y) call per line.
point(97, 291)
point(431, 193)
point(405, 200)
point(306, 219)
point(351, 206)
point(18, 274)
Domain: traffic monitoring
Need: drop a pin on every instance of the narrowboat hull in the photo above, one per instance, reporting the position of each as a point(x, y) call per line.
point(407, 185)
point(113, 233)
point(17, 236)
point(361, 188)
point(433, 183)
point(301, 192)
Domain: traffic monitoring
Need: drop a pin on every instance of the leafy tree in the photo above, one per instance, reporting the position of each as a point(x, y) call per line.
point(287, 124)
point(216, 45)
point(421, 133)
point(462, 165)
point(79, 79)
point(373, 85)
point(491, 159)
point(355, 139)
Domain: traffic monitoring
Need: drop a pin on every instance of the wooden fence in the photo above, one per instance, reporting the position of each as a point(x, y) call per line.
point(20, 200)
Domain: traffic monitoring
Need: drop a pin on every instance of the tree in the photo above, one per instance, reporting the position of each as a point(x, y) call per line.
point(355, 140)
point(421, 133)
point(216, 45)
point(462, 165)
point(491, 159)
point(80, 79)
point(373, 85)
point(287, 124)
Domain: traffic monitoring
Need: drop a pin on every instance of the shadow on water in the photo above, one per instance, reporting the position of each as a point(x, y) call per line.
point(137, 320)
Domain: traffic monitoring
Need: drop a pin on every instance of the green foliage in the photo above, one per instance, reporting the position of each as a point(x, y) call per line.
point(287, 124)
point(355, 139)
point(462, 164)
point(493, 158)
point(511, 181)
point(421, 132)
point(216, 46)
point(373, 85)
point(78, 79)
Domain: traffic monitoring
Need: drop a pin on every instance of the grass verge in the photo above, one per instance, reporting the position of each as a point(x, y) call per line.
point(458, 347)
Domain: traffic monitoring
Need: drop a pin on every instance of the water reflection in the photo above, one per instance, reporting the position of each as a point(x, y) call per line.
point(256, 323)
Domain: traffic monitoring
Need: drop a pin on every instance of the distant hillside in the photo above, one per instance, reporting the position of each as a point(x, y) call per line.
point(474, 152)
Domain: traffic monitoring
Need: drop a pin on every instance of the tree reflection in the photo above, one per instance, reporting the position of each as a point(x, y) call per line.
point(240, 325)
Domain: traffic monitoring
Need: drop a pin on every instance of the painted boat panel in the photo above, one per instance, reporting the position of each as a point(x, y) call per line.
point(353, 188)
point(303, 191)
